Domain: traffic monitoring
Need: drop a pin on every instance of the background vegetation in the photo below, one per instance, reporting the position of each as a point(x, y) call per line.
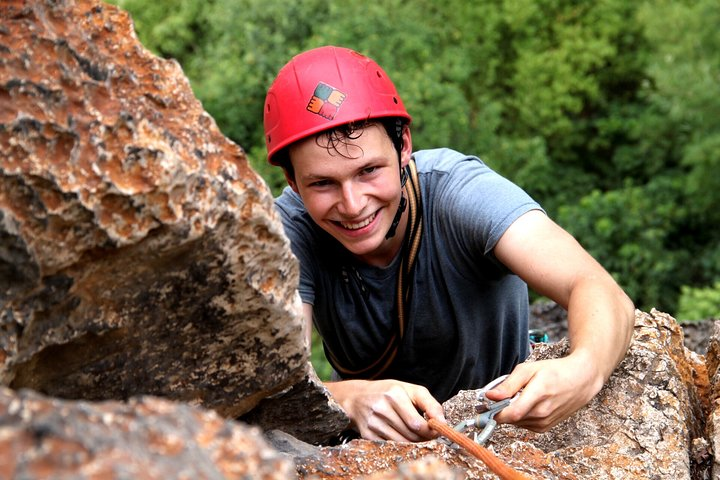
point(606, 111)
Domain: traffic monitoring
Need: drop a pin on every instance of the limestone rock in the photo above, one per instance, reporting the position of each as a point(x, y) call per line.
point(713, 422)
point(428, 468)
point(146, 438)
point(647, 423)
point(306, 411)
point(139, 253)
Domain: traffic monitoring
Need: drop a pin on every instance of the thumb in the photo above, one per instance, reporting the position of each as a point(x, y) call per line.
point(431, 407)
point(511, 385)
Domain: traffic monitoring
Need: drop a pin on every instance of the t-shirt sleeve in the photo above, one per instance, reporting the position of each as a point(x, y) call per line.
point(477, 206)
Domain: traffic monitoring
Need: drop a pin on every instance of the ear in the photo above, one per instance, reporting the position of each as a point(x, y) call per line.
point(290, 181)
point(406, 151)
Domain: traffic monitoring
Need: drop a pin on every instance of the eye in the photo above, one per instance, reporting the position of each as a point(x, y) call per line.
point(368, 170)
point(320, 183)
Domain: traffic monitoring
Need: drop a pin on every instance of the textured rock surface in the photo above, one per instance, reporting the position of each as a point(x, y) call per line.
point(139, 252)
point(147, 438)
point(647, 423)
point(305, 410)
point(713, 422)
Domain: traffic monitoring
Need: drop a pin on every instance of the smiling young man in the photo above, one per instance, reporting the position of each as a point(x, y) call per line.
point(355, 199)
point(415, 266)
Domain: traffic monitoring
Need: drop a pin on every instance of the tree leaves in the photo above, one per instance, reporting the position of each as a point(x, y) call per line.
point(606, 112)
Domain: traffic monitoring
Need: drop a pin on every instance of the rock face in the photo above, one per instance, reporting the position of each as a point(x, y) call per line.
point(648, 422)
point(139, 253)
point(147, 438)
point(306, 411)
point(713, 421)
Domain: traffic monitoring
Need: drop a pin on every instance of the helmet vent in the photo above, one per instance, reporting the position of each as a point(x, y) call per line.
point(395, 100)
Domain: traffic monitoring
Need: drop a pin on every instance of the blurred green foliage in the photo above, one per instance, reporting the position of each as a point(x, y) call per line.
point(699, 303)
point(607, 112)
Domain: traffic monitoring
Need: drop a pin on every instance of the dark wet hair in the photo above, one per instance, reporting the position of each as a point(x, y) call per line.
point(340, 135)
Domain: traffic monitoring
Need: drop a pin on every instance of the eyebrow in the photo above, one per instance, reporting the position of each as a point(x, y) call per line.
point(310, 177)
point(372, 162)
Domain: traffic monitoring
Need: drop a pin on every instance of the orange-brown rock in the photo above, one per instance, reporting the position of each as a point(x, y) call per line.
point(146, 438)
point(713, 420)
point(647, 422)
point(306, 411)
point(140, 254)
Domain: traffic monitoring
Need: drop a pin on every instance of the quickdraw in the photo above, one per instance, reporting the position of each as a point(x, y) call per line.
point(485, 420)
point(497, 466)
point(487, 409)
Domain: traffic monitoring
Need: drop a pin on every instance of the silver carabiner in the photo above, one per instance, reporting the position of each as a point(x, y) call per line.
point(486, 418)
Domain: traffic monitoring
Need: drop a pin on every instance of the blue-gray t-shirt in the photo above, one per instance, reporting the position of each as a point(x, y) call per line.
point(467, 320)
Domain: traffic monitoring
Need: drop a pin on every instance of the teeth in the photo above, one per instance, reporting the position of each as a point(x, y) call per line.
point(355, 226)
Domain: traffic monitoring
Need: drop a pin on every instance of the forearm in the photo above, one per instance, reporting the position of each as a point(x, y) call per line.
point(600, 323)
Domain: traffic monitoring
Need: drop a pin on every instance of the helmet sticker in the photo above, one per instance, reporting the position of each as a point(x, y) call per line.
point(326, 101)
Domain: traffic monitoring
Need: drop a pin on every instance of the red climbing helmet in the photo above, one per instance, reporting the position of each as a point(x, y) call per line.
point(322, 88)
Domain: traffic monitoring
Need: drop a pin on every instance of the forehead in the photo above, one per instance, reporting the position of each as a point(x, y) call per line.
point(318, 152)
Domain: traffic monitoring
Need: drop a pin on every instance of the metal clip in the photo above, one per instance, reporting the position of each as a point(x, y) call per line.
point(488, 409)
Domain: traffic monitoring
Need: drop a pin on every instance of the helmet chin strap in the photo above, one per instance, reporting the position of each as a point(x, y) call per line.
point(401, 207)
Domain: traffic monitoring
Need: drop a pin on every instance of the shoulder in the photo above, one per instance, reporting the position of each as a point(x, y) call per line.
point(444, 171)
point(445, 160)
point(289, 204)
point(295, 218)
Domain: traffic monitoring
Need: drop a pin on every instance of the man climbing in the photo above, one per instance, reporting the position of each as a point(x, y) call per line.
point(415, 266)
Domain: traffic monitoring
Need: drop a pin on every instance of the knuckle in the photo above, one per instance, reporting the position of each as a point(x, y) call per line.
point(394, 392)
point(376, 408)
point(513, 416)
point(543, 410)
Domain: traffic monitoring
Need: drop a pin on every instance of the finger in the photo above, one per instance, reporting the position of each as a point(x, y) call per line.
point(427, 404)
point(537, 406)
point(410, 422)
point(390, 426)
point(514, 382)
point(522, 406)
point(388, 418)
point(520, 409)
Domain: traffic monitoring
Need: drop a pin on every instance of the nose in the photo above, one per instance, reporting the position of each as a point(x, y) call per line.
point(352, 201)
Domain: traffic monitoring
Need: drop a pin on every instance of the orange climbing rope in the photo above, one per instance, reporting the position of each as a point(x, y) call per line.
point(497, 466)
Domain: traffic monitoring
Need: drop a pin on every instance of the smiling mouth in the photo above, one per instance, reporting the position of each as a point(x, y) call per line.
point(358, 225)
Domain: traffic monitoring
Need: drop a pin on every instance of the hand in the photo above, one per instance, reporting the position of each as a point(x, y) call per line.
point(552, 390)
point(388, 409)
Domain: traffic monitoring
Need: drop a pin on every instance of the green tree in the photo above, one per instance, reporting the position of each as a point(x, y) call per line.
point(699, 303)
point(631, 230)
point(606, 111)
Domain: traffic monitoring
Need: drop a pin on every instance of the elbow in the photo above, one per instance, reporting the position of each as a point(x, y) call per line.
point(627, 308)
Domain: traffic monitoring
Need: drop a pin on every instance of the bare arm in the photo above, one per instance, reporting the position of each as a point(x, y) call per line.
point(600, 322)
point(384, 409)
